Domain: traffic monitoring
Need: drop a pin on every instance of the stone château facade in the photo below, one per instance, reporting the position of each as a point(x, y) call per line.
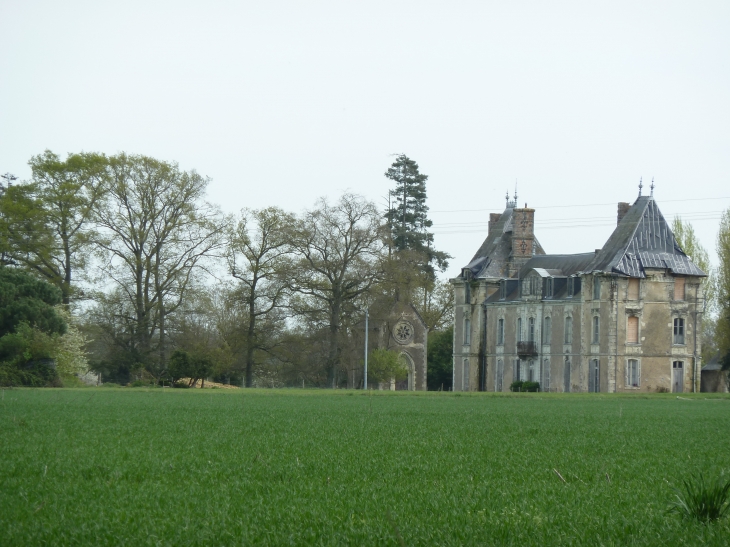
point(624, 318)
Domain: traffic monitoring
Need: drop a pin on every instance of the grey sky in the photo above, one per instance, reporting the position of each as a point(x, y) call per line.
point(283, 102)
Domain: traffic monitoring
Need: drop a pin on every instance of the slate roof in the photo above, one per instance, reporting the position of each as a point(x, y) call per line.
point(492, 257)
point(558, 265)
point(643, 239)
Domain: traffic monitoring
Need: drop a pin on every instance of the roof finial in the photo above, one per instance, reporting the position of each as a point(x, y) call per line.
point(640, 185)
point(506, 196)
point(652, 186)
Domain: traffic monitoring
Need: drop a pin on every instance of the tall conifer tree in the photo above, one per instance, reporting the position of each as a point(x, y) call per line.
point(408, 215)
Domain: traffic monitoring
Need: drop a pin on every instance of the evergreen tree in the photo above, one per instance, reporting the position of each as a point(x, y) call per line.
point(408, 218)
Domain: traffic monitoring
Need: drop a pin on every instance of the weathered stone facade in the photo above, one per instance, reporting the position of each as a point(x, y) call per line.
point(405, 332)
point(623, 318)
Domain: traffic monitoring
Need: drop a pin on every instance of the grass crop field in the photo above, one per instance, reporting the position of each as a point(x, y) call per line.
point(103, 466)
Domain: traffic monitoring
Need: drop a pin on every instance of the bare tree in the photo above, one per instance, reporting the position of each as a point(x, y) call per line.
point(260, 257)
point(339, 248)
point(155, 232)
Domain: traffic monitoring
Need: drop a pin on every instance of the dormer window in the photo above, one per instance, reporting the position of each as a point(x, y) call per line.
point(549, 286)
point(503, 289)
point(571, 286)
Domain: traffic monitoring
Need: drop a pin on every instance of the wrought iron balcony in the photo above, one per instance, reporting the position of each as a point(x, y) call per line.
point(526, 349)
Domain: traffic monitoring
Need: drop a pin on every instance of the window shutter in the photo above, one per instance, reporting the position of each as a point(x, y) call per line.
point(633, 289)
point(679, 288)
point(632, 330)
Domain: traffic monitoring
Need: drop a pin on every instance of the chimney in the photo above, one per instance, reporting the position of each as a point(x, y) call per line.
point(523, 234)
point(623, 208)
point(493, 219)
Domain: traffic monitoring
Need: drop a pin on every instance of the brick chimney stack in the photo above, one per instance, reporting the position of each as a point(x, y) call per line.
point(493, 219)
point(623, 208)
point(523, 232)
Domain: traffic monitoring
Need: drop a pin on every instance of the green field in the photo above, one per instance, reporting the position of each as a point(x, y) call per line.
point(212, 467)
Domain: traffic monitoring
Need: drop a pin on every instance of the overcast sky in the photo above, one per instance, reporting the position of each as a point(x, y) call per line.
point(282, 102)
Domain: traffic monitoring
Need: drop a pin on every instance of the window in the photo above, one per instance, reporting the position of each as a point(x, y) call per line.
point(596, 288)
point(678, 337)
point(633, 289)
point(549, 286)
point(594, 376)
point(516, 371)
point(596, 330)
point(632, 330)
point(467, 293)
point(531, 371)
point(503, 290)
point(632, 373)
point(519, 329)
point(677, 377)
point(500, 375)
point(531, 329)
point(465, 377)
point(569, 330)
point(547, 331)
point(500, 332)
point(571, 283)
point(467, 332)
point(545, 384)
point(679, 288)
point(566, 375)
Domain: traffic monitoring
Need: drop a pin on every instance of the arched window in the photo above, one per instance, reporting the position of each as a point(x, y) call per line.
point(569, 330)
point(531, 329)
point(547, 331)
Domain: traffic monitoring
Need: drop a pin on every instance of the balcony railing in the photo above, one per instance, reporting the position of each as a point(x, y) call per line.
point(526, 349)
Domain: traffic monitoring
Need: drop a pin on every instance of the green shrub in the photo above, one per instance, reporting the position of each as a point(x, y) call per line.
point(524, 386)
point(702, 501)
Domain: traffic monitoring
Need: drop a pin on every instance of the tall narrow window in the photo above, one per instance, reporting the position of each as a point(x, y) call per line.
point(500, 332)
point(545, 375)
point(678, 335)
point(677, 376)
point(679, 288)
point(503, 290)
point(500, 375)
point(465, 377)
point(549, 287)
point(566, 375)
point(547, 331)
point(633, 288)
point(569, 330)
point(596, 330)
point(531, 371)
point(519, 329)
point(594, 383)
point(596, 288)
point(467, 332)
point(571, 283)
point(632, 373)
point(516, 371)
point(632, 330)
point(531, 329)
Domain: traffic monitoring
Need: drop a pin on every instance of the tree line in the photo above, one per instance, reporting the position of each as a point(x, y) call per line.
point(124, 253)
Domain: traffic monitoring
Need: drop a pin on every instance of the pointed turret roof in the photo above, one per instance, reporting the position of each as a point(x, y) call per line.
point(643, 239)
